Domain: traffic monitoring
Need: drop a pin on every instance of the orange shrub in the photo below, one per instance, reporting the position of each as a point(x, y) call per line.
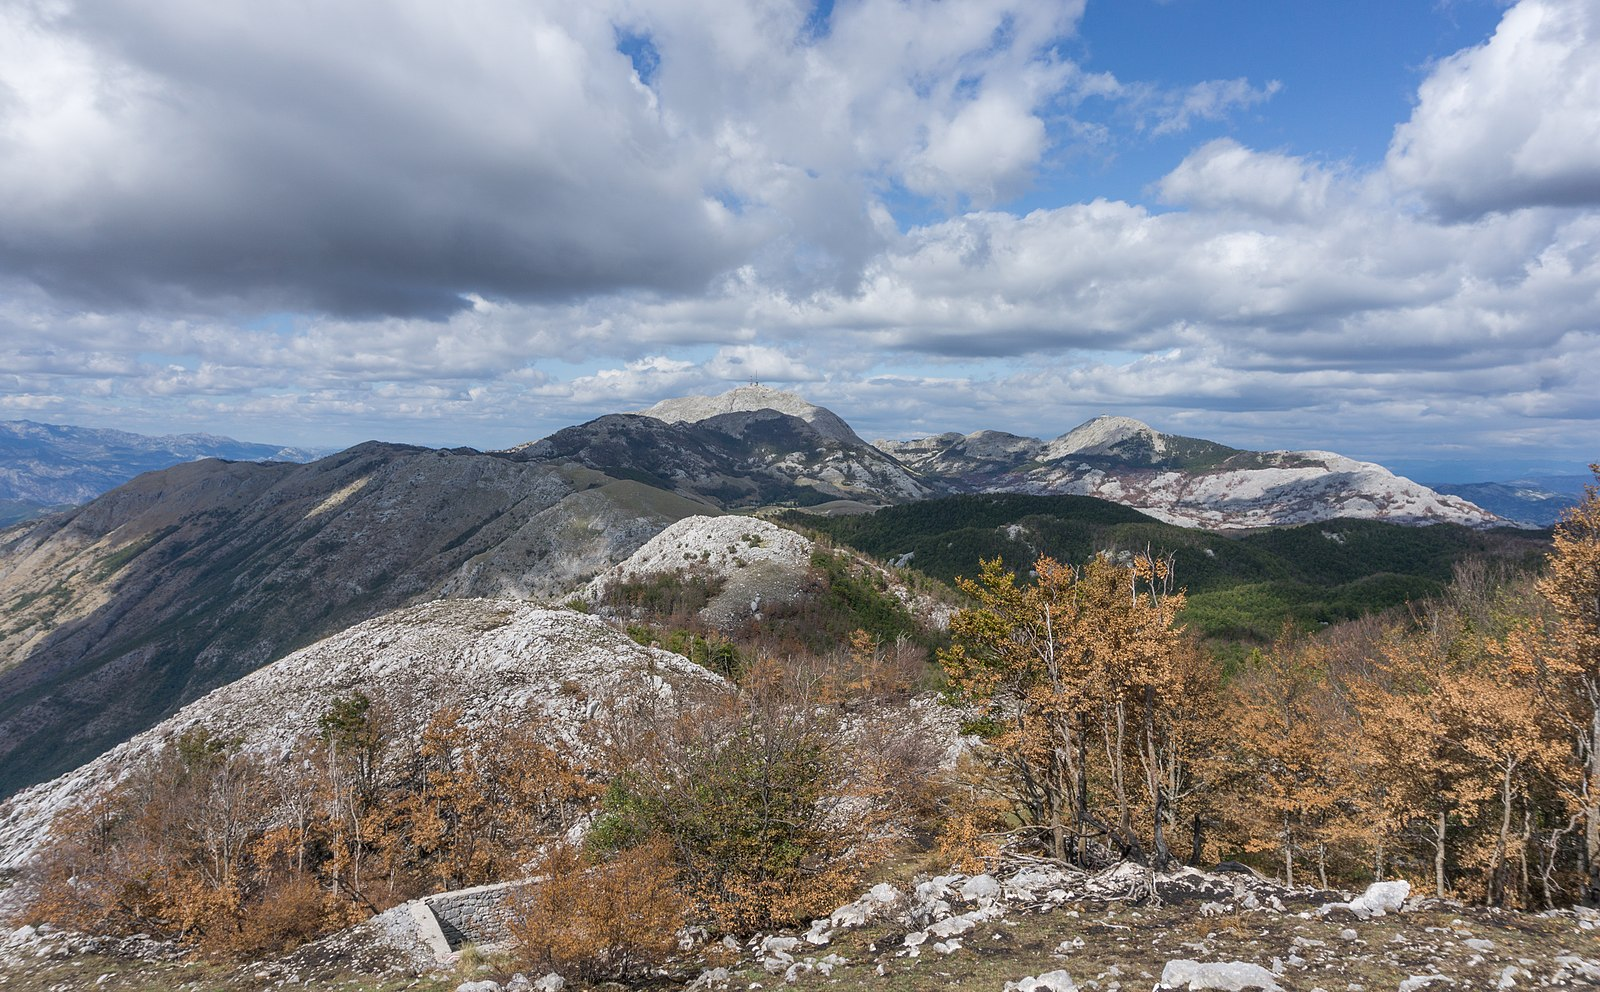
point(601, 919)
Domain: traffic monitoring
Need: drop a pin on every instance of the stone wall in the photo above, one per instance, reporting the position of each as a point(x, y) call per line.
point(479, 916)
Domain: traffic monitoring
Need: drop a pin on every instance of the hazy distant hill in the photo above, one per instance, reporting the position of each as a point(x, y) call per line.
point(1539, 501)
point(53, 465)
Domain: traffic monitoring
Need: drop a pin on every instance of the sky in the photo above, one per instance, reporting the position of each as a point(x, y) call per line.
point(1367, 226)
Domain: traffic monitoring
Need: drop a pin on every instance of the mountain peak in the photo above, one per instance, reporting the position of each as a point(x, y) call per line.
point(1099, 435)
point(748, 399)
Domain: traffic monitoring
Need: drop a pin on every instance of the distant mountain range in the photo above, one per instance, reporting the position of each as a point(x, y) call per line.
point(115, 613)
point(44, 466)
point(755, 446)
point(1537, 502)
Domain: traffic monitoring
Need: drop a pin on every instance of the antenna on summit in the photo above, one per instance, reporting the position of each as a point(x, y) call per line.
point(754, 381)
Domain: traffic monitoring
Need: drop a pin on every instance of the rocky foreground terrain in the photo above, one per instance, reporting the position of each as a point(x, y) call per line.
point(1027, 927)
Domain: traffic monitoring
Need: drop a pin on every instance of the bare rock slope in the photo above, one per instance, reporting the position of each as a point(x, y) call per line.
point(753, 566)
point(487, 656)
point(753, 563)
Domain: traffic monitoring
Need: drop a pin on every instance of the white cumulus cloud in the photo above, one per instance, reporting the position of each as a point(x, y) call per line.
point(1511, 123)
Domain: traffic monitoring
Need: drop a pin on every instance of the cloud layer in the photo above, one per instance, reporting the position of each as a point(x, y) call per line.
point(480, 223)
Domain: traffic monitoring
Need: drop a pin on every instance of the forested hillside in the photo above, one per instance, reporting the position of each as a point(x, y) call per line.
point(1240, 586)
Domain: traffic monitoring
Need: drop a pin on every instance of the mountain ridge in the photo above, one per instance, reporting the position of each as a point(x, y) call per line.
point(736, 458)
point(116, 612)
point(754, 445)
point(1187, 481)
point(748, 399)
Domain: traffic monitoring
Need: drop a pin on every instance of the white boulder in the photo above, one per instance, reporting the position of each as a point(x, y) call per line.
point(1381, 898)
point(1050, 981)
point(1223, 976)
point(980, 887)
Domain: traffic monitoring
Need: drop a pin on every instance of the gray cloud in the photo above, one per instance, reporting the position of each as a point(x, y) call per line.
point(368, 160)
point(293, 156)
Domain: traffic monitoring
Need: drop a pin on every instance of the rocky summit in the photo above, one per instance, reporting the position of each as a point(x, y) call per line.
point(749, 399)
point(739, 458)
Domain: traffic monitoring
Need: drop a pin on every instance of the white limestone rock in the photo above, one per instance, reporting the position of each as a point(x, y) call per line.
point(1221, 976)
point(487, 656)
point(980, 887)
point(1050, 981)
point(1380, 899)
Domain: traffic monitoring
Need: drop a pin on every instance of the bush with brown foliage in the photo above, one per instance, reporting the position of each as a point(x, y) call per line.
point(600, 916)
point(169, 851)
point(741, 806)
point(219, 849)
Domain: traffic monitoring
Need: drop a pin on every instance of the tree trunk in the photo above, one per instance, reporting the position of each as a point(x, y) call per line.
point(1197, 843)
point(1162, 856)
point(1525, 884)
point(1441, 825)
point(1591, 895)
point(1496, 889)
point(1158, 793)
point(1058, 829)
point(1288, 853)
point(1081, 801)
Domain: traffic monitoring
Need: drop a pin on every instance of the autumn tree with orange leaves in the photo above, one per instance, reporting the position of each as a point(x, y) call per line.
point(1082, 685)
point(1566, 656)
point(1285, 722)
